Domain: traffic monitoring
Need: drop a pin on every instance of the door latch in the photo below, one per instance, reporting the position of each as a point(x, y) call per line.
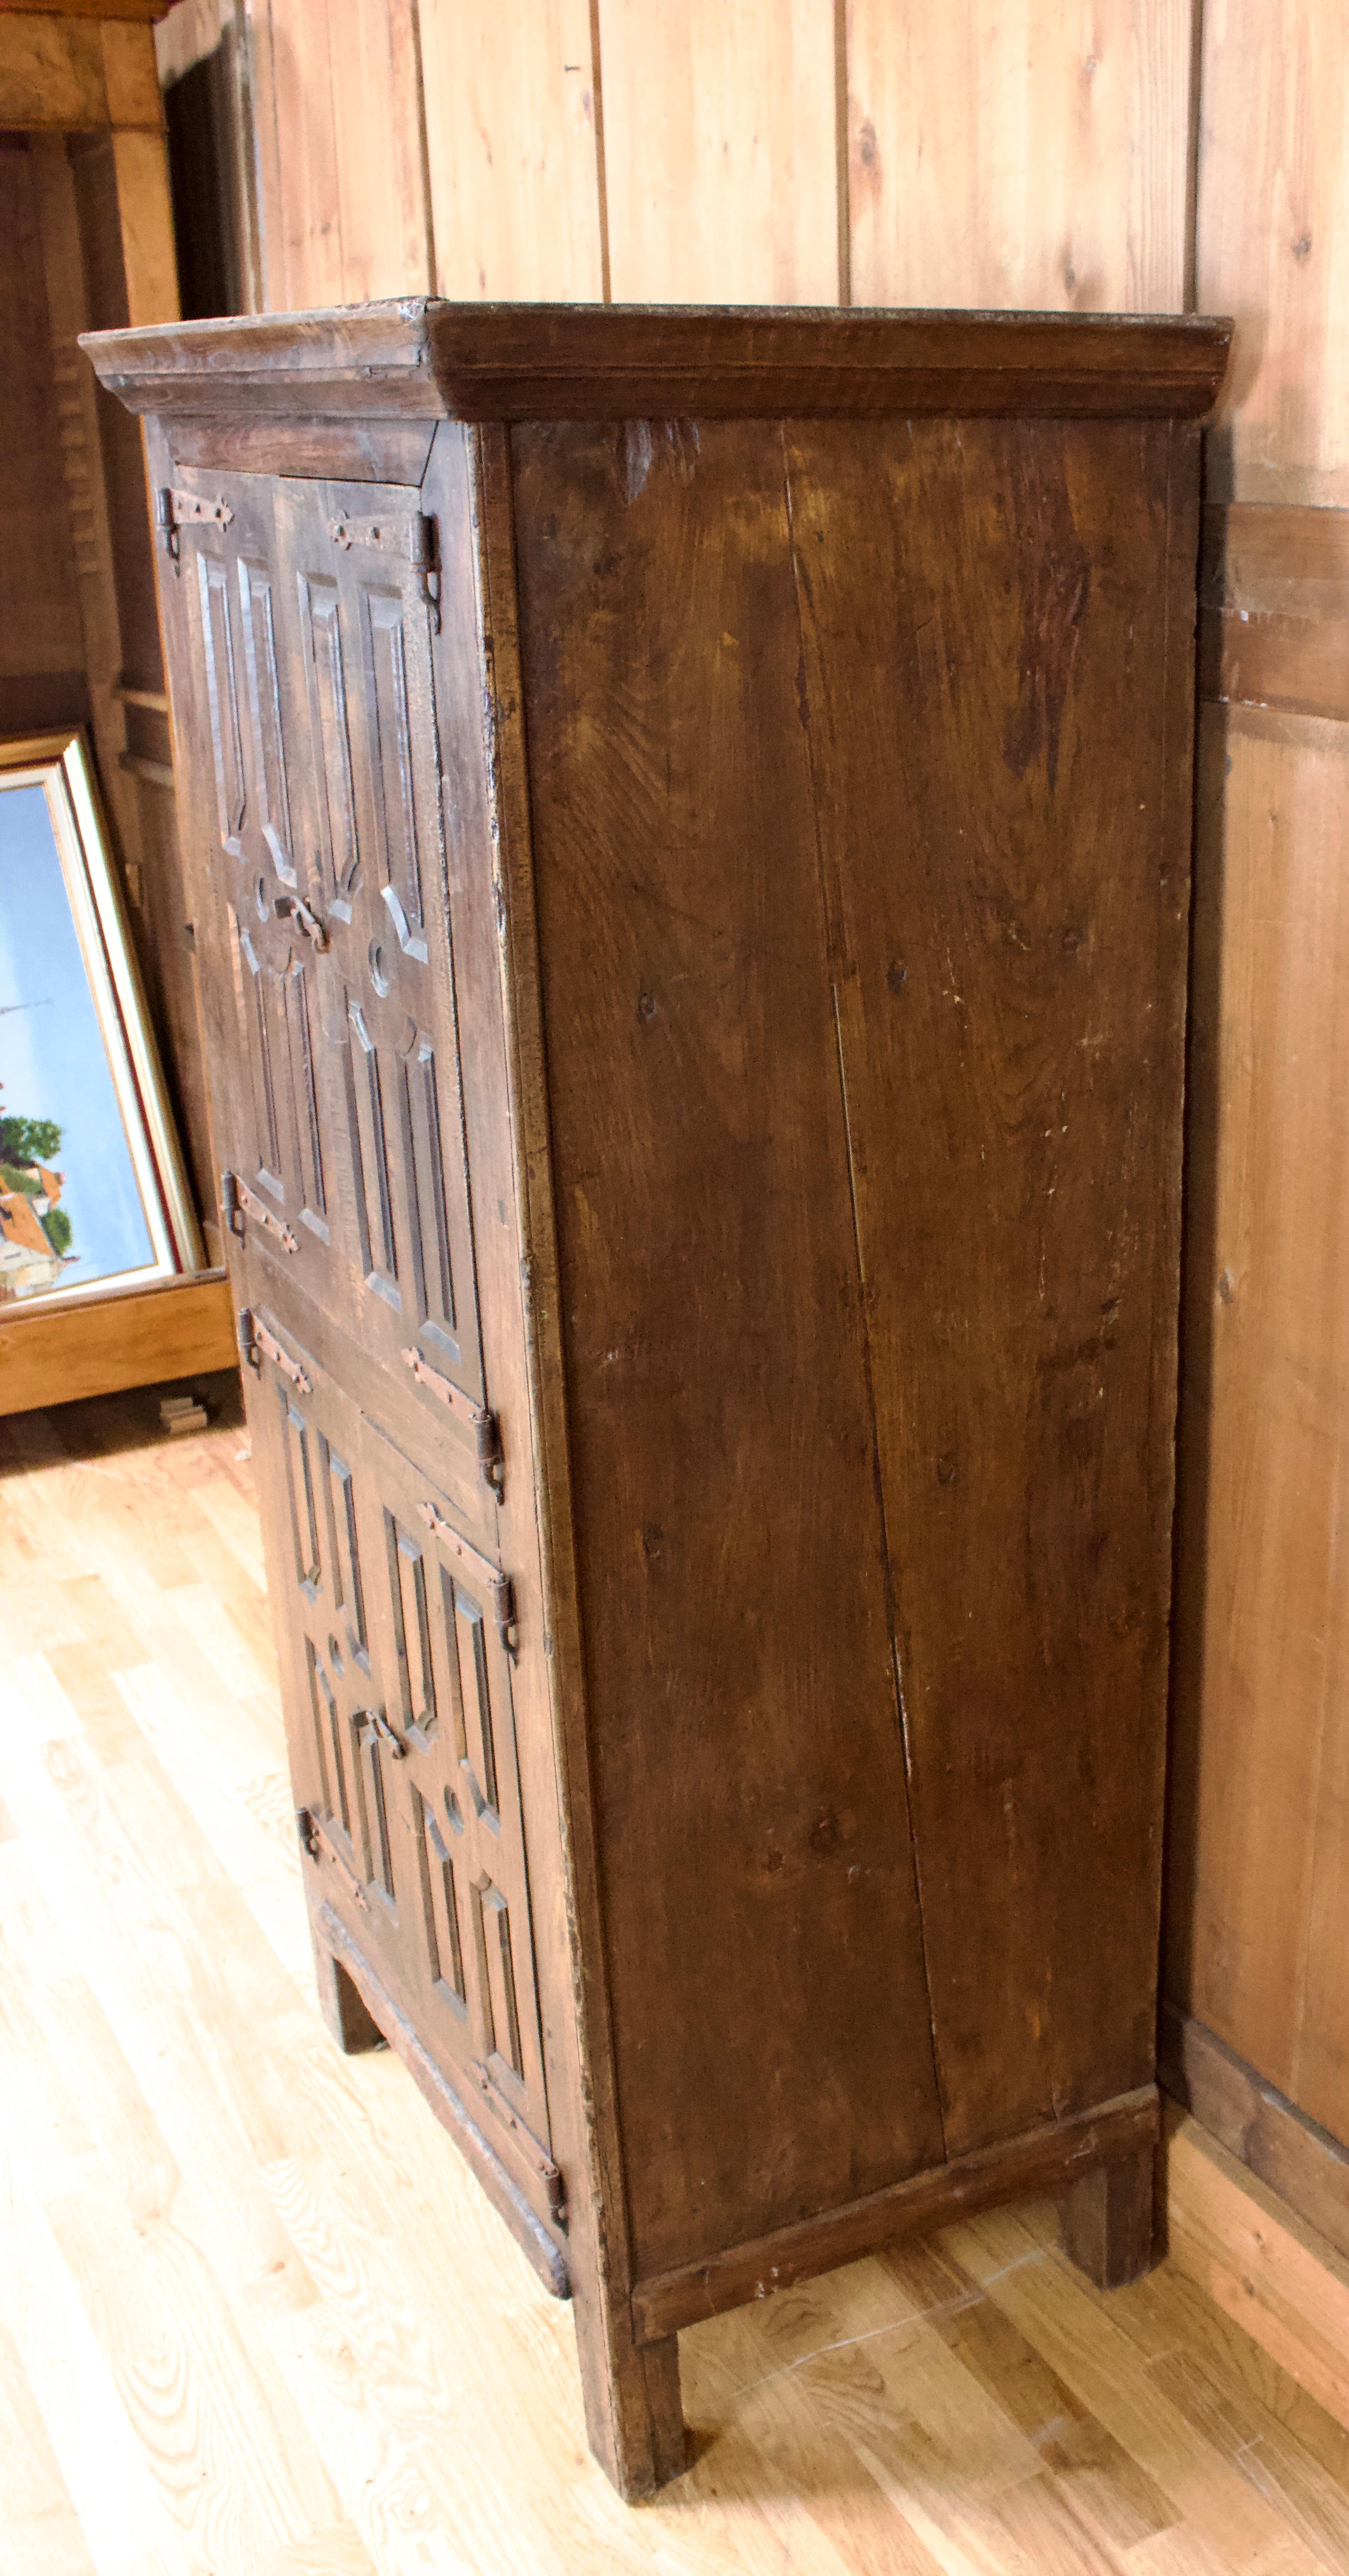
point(289, 907)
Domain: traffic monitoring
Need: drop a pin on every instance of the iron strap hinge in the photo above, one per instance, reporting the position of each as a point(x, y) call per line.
point(488, 1578)
point(175, 510)
point(535, 2156)
point(414, 539)
point(257, 1344)
point(482, 1423)
point(238, 1201)
point(316, 1843)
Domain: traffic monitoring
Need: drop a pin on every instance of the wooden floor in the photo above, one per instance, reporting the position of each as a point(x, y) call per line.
point(255, 2318)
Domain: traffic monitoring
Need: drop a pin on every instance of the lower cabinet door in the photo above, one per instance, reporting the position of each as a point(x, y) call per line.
point(397, 1644)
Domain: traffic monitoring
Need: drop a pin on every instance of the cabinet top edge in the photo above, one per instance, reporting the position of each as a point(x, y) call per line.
point(421, 356)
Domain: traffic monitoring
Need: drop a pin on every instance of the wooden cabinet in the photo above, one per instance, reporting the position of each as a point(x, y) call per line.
point(691, 816)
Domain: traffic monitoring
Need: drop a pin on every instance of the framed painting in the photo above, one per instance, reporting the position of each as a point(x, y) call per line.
point(93, 1194)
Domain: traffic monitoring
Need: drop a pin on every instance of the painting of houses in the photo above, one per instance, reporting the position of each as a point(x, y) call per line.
point(35, 1249)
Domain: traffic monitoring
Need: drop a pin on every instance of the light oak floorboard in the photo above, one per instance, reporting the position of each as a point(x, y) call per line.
point(257, 2320)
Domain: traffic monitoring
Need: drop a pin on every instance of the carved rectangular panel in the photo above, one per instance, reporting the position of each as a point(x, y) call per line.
point(241, 699)
point(371, 786)
point(345, 1757)
point(449, 1677)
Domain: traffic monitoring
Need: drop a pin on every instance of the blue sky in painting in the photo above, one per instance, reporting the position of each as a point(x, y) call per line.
point(52, 1060)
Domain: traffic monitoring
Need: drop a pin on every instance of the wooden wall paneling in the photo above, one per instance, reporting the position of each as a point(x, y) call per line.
point(1259, 1891)
point(720, 151)
point(42, 679)
point(1273, 244)
point(204, 53)
point(1025, 156)
point(51, 73)
point(337, 98)
point(512, 148)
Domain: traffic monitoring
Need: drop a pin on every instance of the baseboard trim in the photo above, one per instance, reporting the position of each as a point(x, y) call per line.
point(1299, 2160)
point(1280, 2280)
point(1041, 2163)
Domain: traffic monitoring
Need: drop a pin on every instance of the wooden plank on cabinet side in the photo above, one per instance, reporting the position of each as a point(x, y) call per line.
point(714, 1341)
point(720, 152)
point(1257, 1834)
point(1011, 1012)
point(176, 1329)
point(1045, 2161)
point(1025, 158)
point(511, 149)
point(1276, 2141)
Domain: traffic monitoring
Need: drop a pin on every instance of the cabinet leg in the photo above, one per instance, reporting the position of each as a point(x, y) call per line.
point(342, 2006)
point(1107, 2220)
point(634, 2412)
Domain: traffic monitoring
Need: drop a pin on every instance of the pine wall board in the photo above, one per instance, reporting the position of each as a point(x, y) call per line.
point(1272, 244)
point(1027, 153)
point(512, 149)
point(721, 151)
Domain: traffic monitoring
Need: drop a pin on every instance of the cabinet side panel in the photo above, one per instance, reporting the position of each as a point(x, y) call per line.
point(997, 621)
point(770, 2016)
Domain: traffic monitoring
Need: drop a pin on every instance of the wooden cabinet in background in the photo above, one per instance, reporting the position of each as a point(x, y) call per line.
point(691, 821)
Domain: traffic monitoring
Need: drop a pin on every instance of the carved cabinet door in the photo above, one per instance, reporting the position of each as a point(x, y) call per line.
point(444, 1632)
point(355, 567)
point(257, 939)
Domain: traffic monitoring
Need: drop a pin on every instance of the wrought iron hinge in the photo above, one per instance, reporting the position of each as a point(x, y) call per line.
point(175, 510)
point(536, 2156)
point(482, 1423)
point(414, 539)
point(238, 1201)
point(288, 907)
point(318, 1846)
point(488, 1578)
point(256, 1344)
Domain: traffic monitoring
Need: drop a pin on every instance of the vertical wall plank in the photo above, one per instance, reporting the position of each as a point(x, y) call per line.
point(720, 150)
point(511, 148)
point(1030, 155)
point(340, 169)
point(1273, 243)
point(1259, 1898)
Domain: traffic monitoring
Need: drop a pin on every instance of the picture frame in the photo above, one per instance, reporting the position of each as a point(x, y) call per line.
point(93, 1189)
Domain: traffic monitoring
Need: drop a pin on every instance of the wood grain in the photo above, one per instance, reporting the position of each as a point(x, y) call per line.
point(187, 2225)
point(511, 148)
point(1258, 1892)
point(172, 1330)
point(1030, 156)
point(719, 148)
point(1272, 199)
point(420, 359)
point(1283, 2148)
point(343, 213)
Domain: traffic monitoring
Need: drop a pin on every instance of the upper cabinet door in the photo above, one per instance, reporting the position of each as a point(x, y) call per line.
point(260, 940)
point(354, 561)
